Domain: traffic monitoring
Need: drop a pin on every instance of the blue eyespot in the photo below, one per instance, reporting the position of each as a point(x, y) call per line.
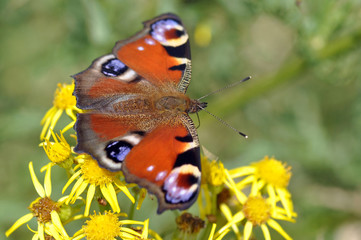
point(118, 150)
point(113, 67)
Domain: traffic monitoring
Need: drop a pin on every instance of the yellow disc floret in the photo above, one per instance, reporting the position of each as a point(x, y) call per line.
point(94, 174)
point(273, 172)
point(42, 208)
point(257, 210)
point(102, 227)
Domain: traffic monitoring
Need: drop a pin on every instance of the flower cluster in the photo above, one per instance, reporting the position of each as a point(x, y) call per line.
point(230, 200)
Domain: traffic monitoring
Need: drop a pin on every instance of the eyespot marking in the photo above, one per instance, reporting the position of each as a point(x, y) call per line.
point(113, 67)
point(118, 150)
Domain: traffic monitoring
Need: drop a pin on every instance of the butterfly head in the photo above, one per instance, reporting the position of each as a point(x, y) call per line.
point(196, 106)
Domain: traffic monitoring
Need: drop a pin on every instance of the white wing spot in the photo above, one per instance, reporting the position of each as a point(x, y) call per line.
point(149, 41)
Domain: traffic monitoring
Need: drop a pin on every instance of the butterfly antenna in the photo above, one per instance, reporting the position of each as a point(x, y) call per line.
point(228, 86)
point(223, 122)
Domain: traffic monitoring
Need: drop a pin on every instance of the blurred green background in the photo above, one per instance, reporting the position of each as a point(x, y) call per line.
point(303, 104)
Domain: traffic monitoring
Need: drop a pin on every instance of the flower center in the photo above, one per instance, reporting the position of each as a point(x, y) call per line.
point(42, 207)
point(64, 96)
point(95, 174)
point(257, 210)
point(102, 227)
point(273, 172)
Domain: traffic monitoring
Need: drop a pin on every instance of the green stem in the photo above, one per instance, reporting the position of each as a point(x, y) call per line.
point(133, 207)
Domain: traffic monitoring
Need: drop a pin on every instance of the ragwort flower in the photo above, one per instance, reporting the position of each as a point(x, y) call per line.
point(90, 175)
point(256, 211)
point(212, 183)
point(270, 174)
point(59, 151)
point(63, 101)
point(44, 209)
point(107, 226)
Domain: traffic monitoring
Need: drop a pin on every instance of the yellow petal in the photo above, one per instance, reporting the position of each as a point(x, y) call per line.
point(89, 198)
point(70, 113)
point(52, 231)
point(69, 126)
point(125, 222)
point(47, 181)
point(80, 236)
point(145, 229)
point(24, 219)
point(79, 191)
point(75, 175)
point(155, 235)
point(247, 230)
point(266, 234)
point(124, 189)
point(240, 195)
point(285, 200)
point(74, 189)
point(38, 187)
point(142, 195)
point(130, 231)
point(35, 237)
point(273, 224)
point(57, 223)
point(239, 216)
point(272, 195)
point(244, 182)
point(239, 172)
point(108, 196)
point(41, 231)
point(113, 195)
point(212, 231)
point(222, 234)
point(46, 121)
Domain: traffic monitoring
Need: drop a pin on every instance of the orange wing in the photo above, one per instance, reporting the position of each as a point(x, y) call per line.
point(165, 159)
point(159, 53)
point(123, 130)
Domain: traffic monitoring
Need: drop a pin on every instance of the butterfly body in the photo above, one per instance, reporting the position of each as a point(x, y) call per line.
point(136, 117)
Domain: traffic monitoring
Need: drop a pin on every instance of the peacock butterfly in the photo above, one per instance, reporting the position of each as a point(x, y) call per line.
point(136, 117)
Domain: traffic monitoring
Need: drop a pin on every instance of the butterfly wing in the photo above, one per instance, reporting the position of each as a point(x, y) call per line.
point(123, 130)
point(162, 157)
point(160, 52)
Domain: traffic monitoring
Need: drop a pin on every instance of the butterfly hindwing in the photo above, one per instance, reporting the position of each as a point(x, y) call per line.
point(165, 159)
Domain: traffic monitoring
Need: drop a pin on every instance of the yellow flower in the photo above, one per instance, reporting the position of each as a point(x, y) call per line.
point(107, 226)
point(270, 174)
point(63, 101)
point(59, 152)
point(212, 183)
point(213, 171)
point(44, 209)
point(90, 174)
point(256, 211)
